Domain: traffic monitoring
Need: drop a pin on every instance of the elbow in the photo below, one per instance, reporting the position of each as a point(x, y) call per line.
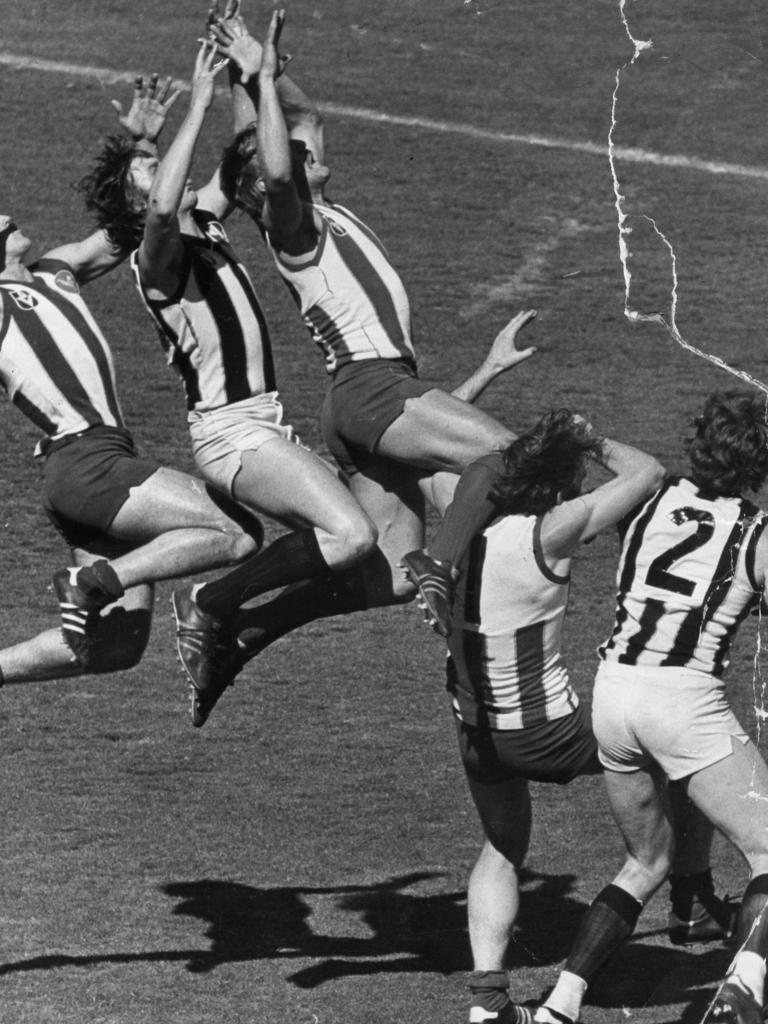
point(653, 474)
point(161, 212)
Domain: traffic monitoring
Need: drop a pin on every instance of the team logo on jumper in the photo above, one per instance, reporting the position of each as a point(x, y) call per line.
point(65, 280)
point(23, 298)
point(216, 232)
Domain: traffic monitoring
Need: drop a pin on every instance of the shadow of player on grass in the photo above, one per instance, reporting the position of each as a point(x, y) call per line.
point(410, 932)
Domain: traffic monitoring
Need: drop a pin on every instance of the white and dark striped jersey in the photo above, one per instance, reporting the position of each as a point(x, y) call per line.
point(685, 579)
point(505, 666)
point(55, 363)
point(213, 330)
point(350, 296)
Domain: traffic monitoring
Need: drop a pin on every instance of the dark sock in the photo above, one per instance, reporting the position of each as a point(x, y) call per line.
point(489, 989)
point(319, 598)
point(470, 511)
point(753, 917)
point(689, 891)
point(609, 921)
point(292, 557)
point(100, 582)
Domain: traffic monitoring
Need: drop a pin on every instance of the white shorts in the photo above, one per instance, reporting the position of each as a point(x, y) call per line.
point(220, 436)
point(678, 718)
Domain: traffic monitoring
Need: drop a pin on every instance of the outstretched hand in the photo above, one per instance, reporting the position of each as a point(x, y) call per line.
point(272, 64)
point(233, 41)
point(149, 108)
point(504, 352)
point(215, 13)
point(206, 68)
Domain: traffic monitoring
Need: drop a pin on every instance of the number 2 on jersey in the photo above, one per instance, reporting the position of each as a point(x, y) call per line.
point(659, 574)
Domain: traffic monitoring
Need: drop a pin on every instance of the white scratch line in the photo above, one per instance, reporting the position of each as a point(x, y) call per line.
point(629, 154)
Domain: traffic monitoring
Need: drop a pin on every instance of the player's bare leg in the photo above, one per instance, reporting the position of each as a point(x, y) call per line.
point(640, 807)
point(293, 486)
point(290, 484)
point(437, 431)
point(733, 793)
point(172, 528)
point(119, 640)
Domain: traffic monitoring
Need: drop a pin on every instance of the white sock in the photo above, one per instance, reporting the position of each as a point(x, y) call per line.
point(566, 997)
point(749, 970)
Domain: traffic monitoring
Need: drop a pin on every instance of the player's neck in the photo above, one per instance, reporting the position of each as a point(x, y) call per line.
point(15, 270)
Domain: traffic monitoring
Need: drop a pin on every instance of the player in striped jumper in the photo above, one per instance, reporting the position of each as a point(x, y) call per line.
point(518, 718)
point(693, 565)
point(127, 520)
point(214, 332)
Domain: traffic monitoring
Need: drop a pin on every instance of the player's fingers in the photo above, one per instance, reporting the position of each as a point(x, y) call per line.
point(118, 106)
point(162, 90)
point(153, 79)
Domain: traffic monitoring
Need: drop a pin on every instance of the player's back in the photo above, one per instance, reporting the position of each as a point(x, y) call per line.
point(213, 329)
point(55, 363)
point(506, 668)
point(350, 296)
point(685, 579)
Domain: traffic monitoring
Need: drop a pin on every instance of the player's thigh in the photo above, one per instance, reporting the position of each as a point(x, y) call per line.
point(390, 495)
point(733, 793)
point(287, 482)
point(168, 500)
point(504, 809)
point(440, 432)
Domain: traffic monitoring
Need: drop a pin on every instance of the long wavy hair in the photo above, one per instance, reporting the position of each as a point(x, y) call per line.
point(108, 193)
point(240, 171)
point(728, 452)
point(545, 465)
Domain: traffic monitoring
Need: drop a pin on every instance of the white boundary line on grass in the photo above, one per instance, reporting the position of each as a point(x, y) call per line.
point(629, 154)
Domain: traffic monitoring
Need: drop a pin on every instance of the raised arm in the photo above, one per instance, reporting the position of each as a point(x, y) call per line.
point(161, 249)
point(283, 208)
point(502, 355)
point(302, 118)
point(89, 257)
point(636, 476)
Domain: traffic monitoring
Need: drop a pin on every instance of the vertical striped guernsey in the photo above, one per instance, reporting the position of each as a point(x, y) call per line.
point(685, 579)
point(55, 363)
point(350, 296)
point(213, 330)
point(505, 667)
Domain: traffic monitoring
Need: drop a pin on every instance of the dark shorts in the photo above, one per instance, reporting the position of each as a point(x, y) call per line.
point(364, 398)
point(555, 751)
point(86, 480)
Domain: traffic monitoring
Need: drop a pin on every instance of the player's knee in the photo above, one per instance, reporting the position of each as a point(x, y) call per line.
point(358, 538)
point(241, 541)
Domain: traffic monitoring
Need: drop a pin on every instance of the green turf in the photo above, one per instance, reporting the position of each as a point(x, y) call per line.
point(303, 858)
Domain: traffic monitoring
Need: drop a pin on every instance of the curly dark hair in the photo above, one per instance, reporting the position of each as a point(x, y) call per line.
point(109, 195)
point(239, 171)
point(545, 464)
point(729, 451)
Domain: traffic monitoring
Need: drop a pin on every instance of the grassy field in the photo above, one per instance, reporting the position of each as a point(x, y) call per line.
point(302, 860)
